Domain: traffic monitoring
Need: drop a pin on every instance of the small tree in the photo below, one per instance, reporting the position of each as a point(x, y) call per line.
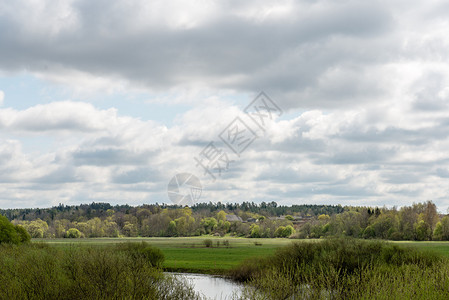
point(73, 233)
point(221, 216)
point(255, 231)
point(12, 234)
point(279, 231)
point(24, 236)
point(207, 243)
point(288, 231)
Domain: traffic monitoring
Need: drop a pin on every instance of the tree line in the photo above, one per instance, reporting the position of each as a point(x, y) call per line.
point(420, 221)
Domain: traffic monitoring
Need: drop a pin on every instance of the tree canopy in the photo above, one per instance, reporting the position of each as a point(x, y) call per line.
point(12, 234)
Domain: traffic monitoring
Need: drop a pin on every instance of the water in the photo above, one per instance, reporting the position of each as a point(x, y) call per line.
point(213, 287)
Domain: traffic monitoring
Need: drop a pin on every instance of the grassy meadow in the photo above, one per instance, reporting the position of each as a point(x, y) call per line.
point(346, 269)
point(107, 268)
point(189, 254)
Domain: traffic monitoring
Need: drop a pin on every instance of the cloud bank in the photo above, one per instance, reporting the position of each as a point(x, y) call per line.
point(364, 87)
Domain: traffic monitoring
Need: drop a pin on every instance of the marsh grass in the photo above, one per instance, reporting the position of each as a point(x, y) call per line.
point(346, 269)
point(123, 271)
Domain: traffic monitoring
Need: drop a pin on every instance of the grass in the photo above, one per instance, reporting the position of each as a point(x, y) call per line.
point(189, 254)
point(312, 269)
point(346, 269)
point(118, 271)
point(441, 248)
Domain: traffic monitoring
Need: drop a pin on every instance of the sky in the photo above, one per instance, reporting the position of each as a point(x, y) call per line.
point(108, 101)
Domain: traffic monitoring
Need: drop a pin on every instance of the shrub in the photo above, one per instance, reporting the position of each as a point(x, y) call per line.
point(24, 236)
point(342, 269)
point(208, 243)
point(73, 233)
point(153, 256)
point(11, 234)
point(125, 271)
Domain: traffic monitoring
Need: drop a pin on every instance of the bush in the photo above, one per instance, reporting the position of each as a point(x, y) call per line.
point(143, 251)
point(342, 269)
point(73, 233)
point(24, 236)
point(38, 271)
point(11, 234)
point(208, 243)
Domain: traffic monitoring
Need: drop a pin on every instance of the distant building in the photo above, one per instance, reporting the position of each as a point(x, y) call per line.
point(296, 219)
point(233, 218)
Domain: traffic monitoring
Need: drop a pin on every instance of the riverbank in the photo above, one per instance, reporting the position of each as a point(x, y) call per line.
point(212, 286)
point(190, 254)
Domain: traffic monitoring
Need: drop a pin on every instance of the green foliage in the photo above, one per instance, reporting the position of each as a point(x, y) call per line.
point(208, 243)
point(130, 229)
point(441, 231)
point(209, 224)
point(24, 236)
point(422, 231)
point(221, 216)
point(36, 228)
point(419, 221)
point(144, 251)
point(345, 269)
point(284, 231)
point(288, 231)
point(73, 233)
point(255, 231)
point(280, 231)
point(125, 271)
point(10, 234)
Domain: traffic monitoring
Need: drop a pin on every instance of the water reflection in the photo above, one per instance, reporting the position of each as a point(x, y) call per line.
point(213, 287)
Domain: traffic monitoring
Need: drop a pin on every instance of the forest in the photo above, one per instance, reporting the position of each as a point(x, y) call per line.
point(419, 221)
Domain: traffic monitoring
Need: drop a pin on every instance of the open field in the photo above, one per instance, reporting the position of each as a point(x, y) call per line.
point(189, 254)
point(441, 248)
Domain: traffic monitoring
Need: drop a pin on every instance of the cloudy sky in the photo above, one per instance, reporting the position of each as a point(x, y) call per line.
point(108, 100)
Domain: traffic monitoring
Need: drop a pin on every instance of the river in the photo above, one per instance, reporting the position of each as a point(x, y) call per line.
point(213, 287)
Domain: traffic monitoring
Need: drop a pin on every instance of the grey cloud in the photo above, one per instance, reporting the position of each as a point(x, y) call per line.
point(387, 135)
point(442, 172)
point(363, 155)
point(137, 175)
point(402, 178)
point(285, 57)
point(61, 175)
point(284, 174)
point(347, 191)
point(109, 157)
point(427, 93)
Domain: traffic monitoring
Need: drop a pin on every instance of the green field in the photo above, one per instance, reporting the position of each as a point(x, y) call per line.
point(189, 254)
point(441, 248)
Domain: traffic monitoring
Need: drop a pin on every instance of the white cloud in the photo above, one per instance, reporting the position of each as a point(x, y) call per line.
point(300, 52)
point(315, 157)
point(2, 97)
point(365, 84)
